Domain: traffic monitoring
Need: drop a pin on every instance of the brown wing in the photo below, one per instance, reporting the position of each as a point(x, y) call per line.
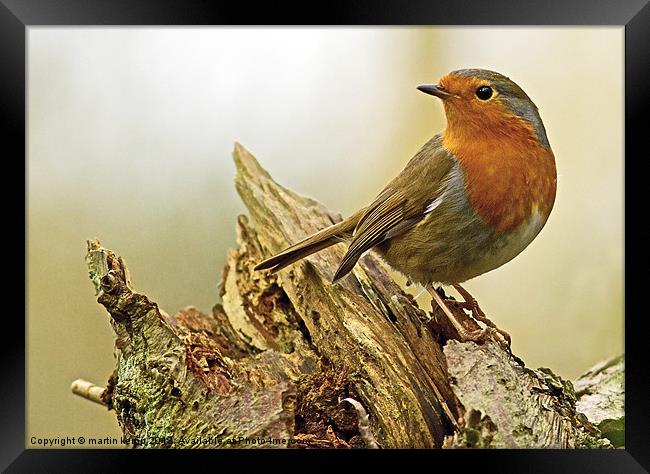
point(402, 204)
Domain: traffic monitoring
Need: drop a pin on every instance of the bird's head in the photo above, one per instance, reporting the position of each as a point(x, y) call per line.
point(480, 102)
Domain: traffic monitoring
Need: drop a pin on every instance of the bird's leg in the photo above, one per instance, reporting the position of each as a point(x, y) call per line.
point(477, 335)
point(471, 304)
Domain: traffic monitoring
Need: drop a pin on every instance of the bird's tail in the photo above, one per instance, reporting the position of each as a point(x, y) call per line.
point(312, 244)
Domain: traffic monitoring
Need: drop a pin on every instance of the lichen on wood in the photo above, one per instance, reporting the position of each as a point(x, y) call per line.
point(272, 364)
point(601, 397)
point(179, 381)
point(510, 406)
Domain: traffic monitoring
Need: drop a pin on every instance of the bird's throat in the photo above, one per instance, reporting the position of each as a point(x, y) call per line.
point(508, 175)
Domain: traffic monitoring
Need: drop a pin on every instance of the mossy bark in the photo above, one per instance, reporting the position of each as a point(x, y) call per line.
point(601, 397)
point(510, 406)
point(272, 364)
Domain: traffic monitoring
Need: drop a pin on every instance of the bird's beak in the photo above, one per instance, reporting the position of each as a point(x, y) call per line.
point(435, 89)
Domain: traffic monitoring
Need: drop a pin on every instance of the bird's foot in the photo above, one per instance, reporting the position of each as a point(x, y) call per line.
point(478, 335)
point(471, 305)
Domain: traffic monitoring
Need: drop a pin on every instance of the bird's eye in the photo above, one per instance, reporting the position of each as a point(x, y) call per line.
point(484, 92)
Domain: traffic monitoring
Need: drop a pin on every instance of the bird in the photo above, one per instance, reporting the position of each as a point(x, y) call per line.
point(469, 201)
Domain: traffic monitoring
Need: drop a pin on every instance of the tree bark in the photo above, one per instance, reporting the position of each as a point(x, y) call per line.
point(601, 397)
point(289, 360)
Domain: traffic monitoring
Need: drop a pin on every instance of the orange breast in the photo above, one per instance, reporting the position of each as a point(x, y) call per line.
point(508, 175)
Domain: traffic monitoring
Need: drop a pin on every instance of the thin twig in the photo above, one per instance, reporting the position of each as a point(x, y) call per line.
point(88, 390)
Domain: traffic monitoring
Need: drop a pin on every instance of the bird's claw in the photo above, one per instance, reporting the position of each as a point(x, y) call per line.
point(480, 336)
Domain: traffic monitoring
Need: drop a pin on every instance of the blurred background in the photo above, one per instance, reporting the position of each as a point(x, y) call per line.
point(130, 135)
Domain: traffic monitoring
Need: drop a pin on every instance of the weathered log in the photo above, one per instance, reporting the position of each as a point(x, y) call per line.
point(274, 362)
point(511, 406)
point(601, 397)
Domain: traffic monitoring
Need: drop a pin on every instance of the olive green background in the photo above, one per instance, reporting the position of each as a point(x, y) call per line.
point(130, 134)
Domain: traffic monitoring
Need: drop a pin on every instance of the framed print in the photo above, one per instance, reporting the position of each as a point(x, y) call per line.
point(382, 228)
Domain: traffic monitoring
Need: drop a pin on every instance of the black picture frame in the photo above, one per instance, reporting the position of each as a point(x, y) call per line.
point(17, 15)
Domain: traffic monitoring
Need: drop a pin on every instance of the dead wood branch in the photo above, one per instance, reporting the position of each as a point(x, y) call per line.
point(270, 365)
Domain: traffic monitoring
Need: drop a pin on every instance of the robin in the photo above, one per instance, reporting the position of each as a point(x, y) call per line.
point(469, 201)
